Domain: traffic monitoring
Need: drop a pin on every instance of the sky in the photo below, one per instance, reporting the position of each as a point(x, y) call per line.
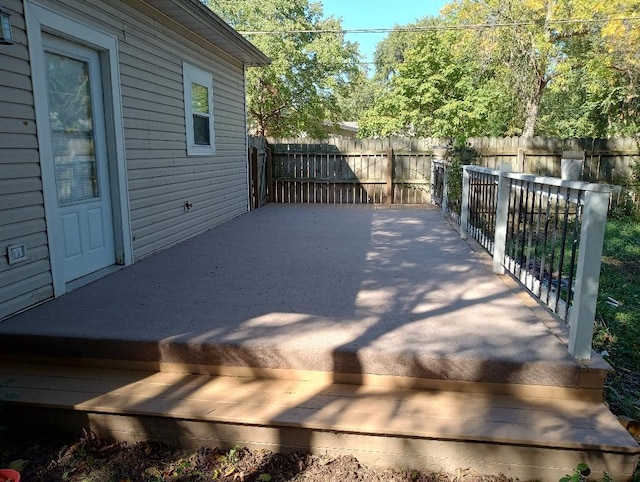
point(359, 14)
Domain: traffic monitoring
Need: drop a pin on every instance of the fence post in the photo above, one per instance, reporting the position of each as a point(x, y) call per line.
point(270, 184)
point(464, 205)
point(583, 309)
point(502, 214)
point(390, 193)
point(255, 197)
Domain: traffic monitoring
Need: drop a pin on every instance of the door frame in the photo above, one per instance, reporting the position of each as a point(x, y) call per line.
point(41, 19)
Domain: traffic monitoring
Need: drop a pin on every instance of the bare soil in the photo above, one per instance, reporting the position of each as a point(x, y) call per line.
point(92, 459)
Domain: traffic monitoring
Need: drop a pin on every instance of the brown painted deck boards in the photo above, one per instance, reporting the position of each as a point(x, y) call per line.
point(348, 408)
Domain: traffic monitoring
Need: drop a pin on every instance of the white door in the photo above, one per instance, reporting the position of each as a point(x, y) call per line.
point(76, 120)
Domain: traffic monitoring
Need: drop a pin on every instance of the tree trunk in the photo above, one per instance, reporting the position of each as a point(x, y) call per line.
point(533, 106)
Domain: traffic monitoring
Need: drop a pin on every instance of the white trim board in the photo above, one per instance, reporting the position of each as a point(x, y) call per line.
point(41, 19)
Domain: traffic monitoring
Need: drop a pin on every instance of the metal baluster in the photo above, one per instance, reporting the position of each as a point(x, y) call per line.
point(493, 208)
point(574, 251)
point(538, 271)
point(472, 204)
point(519, 234)
point(553, 244)
point(562, 249)
point(526, 232)
point(512, 215)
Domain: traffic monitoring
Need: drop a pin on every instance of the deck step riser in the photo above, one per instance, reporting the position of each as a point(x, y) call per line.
point(529, 437)
point(590, 387)
point(523, 462)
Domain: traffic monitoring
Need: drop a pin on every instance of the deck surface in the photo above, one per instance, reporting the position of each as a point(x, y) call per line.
point(341, 289)
point(240, 336)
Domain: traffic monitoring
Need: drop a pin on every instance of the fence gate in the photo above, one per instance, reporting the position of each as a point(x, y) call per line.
point(259, 173)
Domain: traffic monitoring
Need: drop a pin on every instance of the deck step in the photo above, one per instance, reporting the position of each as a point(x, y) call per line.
point(520, 436)
point(589, 386)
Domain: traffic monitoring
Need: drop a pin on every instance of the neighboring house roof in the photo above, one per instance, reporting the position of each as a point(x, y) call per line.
point(198, 18)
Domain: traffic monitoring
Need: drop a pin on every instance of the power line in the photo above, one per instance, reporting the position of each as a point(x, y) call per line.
point(439, 27)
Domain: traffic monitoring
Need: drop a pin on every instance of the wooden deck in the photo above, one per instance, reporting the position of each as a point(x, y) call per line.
point(524, 437)
point(374, 331)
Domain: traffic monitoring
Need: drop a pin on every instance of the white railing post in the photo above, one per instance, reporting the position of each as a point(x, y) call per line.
point(433, 181)
point(445, 188)
point(502, 214)
point(464, 205)
point(583, 309)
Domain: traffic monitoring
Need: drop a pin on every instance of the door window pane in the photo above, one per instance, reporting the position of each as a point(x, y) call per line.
point(70, 115)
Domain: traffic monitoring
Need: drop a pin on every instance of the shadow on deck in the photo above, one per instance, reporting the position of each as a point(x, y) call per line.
point(371, 330)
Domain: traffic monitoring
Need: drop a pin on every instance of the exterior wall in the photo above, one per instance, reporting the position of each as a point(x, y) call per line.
point(161, 177)
point(22, 217)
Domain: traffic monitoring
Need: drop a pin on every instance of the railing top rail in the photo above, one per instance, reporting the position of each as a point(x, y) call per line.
point(555, 181)
point(349, 153)
point(482, 170)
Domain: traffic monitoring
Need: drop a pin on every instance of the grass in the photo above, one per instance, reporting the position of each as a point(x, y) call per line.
point(617, 332)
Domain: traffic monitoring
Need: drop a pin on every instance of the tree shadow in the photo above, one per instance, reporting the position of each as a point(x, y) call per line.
point(350, 292)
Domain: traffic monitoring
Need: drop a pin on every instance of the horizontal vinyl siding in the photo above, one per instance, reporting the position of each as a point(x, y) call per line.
point(161, 176)
point(22, 218)
point(160, 184)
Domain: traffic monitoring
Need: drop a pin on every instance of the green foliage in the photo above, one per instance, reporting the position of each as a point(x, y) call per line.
point(309, 74)
point(454, 184)
point(432, 90)
point(618, 323)
point(529, 75)
point(580, 474)
point(232, 456)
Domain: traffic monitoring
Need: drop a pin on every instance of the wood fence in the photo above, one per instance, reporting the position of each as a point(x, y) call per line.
point(259, 171)
point(398, 170)
point(349, 171)
point(605, 160)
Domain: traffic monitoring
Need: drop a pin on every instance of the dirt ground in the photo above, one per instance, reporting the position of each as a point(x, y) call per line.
point(90, 459)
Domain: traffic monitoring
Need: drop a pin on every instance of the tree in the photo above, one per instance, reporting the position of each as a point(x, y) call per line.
point(431, 88)
point(541, 52)
point(300, 91)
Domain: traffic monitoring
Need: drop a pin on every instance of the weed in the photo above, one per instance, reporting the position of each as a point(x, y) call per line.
point(232, 456)
point(580, 474)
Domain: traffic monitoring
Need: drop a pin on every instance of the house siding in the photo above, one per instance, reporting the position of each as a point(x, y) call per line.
point(161, 177)
point(22, 218)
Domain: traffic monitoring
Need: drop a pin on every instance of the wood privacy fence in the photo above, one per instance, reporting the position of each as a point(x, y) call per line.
point(399, 170)
point(605, 160)
point(259, 171)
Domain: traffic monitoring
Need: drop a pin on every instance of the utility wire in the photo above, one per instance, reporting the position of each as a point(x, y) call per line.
point(439, 27)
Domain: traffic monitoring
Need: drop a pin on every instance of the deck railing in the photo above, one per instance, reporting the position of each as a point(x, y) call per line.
point(440, 184)
point(547, 232)
point(437, 181)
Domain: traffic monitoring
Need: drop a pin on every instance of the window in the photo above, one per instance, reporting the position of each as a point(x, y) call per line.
point(198, 103)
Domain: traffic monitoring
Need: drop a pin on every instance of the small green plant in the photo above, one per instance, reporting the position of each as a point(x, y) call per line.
point(580, 474)
point(232, 456)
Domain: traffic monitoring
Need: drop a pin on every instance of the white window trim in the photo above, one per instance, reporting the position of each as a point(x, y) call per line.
point(193, 74)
